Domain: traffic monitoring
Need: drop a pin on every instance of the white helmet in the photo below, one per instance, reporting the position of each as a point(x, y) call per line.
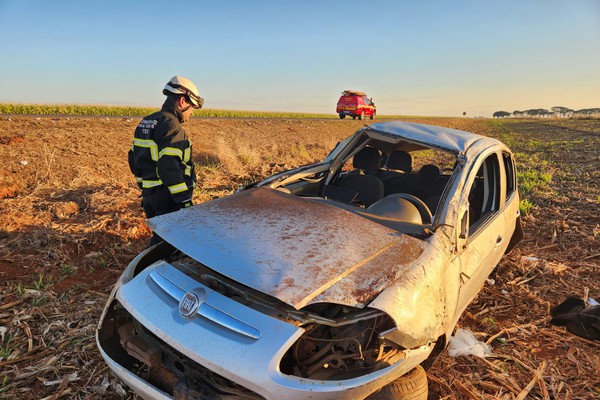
point(181, 85)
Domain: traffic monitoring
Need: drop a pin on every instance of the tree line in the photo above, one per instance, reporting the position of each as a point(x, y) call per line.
point(555, 112)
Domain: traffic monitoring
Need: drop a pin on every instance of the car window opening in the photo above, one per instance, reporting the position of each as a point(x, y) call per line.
point(398, 185)
point(484, 195)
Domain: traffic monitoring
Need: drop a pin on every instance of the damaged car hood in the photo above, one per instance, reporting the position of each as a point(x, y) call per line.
point(292, 248)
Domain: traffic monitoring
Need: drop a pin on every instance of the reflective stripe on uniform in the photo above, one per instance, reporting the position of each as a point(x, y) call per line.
point(187, 154)
point(171, 151)
point(181, 187)
point(188, 170)
point(150, 184)
point(149, 144)
point(138, 179)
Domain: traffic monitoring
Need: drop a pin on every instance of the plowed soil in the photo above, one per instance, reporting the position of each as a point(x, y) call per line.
point(70, 221)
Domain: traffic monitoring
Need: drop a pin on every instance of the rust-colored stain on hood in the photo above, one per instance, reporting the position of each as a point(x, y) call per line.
point(290, 247)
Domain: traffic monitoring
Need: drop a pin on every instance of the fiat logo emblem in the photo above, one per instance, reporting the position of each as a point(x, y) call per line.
point(188, 305)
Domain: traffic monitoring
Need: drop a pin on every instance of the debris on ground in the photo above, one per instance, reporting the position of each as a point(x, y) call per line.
point(578, 316)
point(463, 343)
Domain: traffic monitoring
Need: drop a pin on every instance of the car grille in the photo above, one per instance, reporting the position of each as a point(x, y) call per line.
point(160, 377)
point(166, 368)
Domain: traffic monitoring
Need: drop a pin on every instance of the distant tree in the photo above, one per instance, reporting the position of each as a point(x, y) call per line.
point(537, 112)
point(501, 114)
point(544, 113)
point(588, 111)
point(556, 111)
point(561, 111)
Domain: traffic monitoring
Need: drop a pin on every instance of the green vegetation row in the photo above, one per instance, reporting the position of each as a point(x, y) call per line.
point(93, 110)
point(123, 111)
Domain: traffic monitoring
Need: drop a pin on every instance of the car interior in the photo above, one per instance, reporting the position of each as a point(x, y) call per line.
point(398, 185)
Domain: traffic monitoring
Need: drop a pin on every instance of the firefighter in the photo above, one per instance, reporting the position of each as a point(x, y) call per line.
point(161, 154)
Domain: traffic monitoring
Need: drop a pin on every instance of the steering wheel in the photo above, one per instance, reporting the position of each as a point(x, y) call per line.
point(426, 215)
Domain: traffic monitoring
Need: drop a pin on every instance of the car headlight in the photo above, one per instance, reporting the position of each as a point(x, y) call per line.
point(146, 258)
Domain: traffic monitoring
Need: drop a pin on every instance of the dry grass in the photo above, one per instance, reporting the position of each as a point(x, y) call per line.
point(70, 221)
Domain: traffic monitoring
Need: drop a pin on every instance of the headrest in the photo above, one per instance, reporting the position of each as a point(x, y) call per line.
point(429, 174)
point(400, 160)
point(368, 159)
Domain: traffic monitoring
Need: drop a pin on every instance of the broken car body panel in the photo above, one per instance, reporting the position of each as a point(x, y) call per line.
point(298, 259)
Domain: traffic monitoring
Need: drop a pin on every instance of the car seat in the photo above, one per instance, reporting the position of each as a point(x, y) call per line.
point(364, 180)
point(428, 186)
point(369, 161)
point(398, 164)
point(398, 178)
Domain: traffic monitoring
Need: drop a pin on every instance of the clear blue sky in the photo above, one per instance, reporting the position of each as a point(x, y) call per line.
point(412, 57)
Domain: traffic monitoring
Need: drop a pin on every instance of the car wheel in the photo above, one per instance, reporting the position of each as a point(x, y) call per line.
point(342, 116)
point(411, 386)
point(360, 115)
point(354, 117)
point(372, 116)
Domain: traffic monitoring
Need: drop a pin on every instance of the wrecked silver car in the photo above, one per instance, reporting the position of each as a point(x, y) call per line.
point(327, 281)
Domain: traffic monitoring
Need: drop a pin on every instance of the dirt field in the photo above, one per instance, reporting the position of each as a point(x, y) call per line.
point(70, 221)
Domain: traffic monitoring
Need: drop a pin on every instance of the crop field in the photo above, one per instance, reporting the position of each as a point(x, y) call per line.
point(94, 110)
point(70, 221)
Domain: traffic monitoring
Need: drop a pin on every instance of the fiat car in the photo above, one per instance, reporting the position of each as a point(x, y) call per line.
point(329, 281)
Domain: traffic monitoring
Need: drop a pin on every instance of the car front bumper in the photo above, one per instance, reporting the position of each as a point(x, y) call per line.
point(239, 356)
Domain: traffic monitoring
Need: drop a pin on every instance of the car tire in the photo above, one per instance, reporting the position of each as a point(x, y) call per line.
point(411, 386)
point(342, 116)
point(354, 117)
point(360, 115)
point(372, 116)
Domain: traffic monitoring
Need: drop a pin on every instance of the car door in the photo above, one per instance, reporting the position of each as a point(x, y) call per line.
point(511, 211)
point(483, 233)
point(368, 107)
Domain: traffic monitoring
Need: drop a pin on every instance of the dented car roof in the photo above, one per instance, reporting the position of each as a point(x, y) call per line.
point(446, 139)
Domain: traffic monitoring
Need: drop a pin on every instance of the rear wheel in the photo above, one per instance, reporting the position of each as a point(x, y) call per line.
point(411, 386)
point(342, 116)
point(360, 115)
point(372, 115)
